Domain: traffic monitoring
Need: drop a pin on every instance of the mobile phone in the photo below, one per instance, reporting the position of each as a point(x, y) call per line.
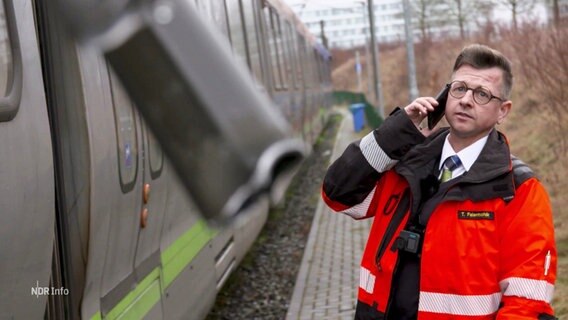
point(435, 116)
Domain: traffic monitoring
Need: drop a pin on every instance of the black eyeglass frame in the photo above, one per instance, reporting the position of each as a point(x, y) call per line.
point(473, 90)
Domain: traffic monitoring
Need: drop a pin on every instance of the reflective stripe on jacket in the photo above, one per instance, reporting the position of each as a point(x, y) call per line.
point(488, 248)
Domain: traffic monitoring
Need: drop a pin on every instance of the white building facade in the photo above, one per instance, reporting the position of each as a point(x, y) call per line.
point(346, 23)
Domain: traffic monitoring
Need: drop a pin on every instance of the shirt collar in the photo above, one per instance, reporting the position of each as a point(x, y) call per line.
point(467, 156)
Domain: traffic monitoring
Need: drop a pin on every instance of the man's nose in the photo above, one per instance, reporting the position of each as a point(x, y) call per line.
point(467, 99)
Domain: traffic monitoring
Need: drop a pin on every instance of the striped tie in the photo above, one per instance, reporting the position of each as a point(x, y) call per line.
point(450, 165)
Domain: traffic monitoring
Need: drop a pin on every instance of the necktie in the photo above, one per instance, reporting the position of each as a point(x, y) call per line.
point(450, 165)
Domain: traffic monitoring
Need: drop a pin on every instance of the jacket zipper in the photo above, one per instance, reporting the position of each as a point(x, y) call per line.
point(394, 223)
point(389, 303)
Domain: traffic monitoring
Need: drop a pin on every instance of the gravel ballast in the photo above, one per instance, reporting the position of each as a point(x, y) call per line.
point(262, 286)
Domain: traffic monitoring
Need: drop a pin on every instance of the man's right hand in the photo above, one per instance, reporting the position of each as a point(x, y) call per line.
point(418, 109)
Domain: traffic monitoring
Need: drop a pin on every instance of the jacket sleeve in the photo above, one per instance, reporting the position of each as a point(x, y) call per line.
point(528, 255)
point(351, 181)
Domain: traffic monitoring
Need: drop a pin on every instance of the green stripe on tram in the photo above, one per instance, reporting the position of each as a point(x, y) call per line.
point(138, 302)
point(178, 255)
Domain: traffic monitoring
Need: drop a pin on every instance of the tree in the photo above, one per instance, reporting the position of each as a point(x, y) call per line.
point(556, 12)
point(484, 21)
point(517, 7)
point(462, 13)
point(430, 15)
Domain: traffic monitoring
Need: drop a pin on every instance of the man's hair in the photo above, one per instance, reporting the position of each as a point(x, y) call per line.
point(483, 57)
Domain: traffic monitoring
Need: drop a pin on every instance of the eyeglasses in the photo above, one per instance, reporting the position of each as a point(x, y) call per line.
point(481, 95)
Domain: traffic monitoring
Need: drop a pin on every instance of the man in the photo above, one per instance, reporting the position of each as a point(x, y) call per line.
point(466, 238)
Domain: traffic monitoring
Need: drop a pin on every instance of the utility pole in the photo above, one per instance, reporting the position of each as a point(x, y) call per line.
point(375, 58)
point(412, 85)
point(323, 37)
point(556, 13)
point(358, 70)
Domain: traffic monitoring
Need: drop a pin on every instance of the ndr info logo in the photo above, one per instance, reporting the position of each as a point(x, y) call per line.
point(48, 291)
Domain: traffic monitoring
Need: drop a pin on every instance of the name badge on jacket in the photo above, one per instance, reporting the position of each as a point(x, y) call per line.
point(476, 215)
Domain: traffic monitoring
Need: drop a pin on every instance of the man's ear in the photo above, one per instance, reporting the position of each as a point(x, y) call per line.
point(504, 111)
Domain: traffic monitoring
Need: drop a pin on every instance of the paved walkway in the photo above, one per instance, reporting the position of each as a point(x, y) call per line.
point(328, 280)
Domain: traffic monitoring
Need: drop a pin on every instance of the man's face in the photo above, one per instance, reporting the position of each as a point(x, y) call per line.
point(468, 120)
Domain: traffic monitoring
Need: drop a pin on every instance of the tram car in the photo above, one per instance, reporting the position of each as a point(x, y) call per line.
point(94, 222)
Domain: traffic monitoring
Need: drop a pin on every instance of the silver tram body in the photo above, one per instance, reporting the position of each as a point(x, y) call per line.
point(94, 223)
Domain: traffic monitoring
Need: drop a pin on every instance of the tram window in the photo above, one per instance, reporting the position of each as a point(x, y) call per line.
point(10, 63)
point(320, 69)
point(315, 68)
point(282, 46)
point(214, 11)
point(236, 29)
point(301, 71)
point(127, 143)
point(226, 17)
point(290, 56)
point(219, 16)
point(309, 64)
point(5, 52)
point(156, 156)
point(252, 39)
point(296, 57)
point(273, 46)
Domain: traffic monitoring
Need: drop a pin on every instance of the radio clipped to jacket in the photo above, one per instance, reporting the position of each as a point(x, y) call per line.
point(407, 241)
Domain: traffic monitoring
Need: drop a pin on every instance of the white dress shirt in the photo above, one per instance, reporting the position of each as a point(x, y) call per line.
point(467, 156)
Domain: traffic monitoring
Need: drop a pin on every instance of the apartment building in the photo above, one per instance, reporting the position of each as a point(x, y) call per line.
point(346, 22)
point(348, 25)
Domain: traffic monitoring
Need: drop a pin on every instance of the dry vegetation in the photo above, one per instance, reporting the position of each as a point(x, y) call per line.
point(537, 127)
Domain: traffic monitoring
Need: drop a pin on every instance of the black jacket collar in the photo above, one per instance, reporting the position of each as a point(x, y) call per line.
point(489, 177)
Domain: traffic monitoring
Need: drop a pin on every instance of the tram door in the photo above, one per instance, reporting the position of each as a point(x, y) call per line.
point(154, 194)
point(135, 216)
point(27, 208)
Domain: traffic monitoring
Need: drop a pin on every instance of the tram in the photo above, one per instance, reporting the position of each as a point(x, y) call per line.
point(94, 221)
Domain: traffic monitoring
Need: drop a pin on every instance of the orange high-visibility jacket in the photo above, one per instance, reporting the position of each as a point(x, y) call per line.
point(488, 249)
